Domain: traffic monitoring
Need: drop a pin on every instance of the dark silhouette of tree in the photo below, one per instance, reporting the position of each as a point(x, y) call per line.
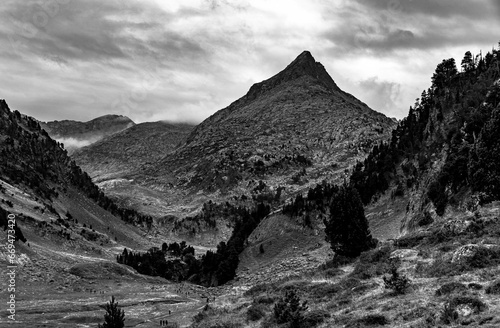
point(347, 228)
point(468, 62)
point(444, 73)
point(114, 316)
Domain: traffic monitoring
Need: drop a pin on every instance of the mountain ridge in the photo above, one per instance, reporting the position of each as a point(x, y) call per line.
point(75, 134)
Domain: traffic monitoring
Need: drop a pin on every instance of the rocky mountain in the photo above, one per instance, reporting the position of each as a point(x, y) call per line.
point(293, 130)
point(75, 134)
point(115, 157)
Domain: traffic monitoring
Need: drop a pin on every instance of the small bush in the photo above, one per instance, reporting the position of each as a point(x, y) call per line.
point(399, 284)
point(373, 263)
point(258, 289)
point(256, 312)
point(450, 288)
point(319, 291)
point(289, 309)
point(369, 320)
point(484, 257)
point(449, 315)
point(314, 318)
point(475, 286)
point(476, 304)
point(265, 299)
point(494, 288)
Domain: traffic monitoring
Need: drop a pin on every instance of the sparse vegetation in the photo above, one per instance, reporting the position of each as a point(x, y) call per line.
point(451, 288)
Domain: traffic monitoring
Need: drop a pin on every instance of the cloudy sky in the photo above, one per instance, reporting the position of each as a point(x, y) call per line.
point(182, 60)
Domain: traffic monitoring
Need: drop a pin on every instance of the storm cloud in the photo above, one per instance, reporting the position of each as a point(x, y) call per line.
point(183, 60)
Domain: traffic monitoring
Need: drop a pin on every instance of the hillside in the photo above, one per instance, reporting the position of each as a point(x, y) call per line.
point(53, 197)
point(116, 156)
point(75, 134)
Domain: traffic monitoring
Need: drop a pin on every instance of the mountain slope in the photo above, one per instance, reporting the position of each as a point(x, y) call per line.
point(52, 196)
point(75, 134)
point(116, 156)
point(292, 130)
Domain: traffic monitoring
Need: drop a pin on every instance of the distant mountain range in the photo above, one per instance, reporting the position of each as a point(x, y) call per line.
point(75, 134)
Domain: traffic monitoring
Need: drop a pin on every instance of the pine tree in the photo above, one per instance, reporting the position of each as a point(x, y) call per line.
point(468, 62)
point(347, 228)
point(114, 317)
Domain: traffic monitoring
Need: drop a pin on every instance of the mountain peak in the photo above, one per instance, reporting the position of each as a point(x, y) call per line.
point(303, 65)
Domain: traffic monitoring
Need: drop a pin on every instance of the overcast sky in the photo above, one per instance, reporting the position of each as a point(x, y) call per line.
point(182, 60)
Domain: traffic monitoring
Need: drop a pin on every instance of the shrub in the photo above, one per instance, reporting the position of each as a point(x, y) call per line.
point(370, 320)
point(475, 286)
point(494, 288)
point(256, 312)
point(266, 299)
point(449, 315)
point(476, 304)
point(314, 318)
point(399, 284)
point(257, 289)
point(289, 309)
point(319, 291)
point(373, 263)
point(450, 288)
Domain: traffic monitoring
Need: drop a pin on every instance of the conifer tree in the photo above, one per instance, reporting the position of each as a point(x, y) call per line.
point(347, 228)
point(114, 317)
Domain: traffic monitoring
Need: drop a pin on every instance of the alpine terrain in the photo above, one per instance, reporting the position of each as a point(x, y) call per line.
point(295, 206)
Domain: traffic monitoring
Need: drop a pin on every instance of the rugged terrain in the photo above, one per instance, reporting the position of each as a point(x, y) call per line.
point(75, 134)
point(431, 194)
point(118, 155)
point(291, 131)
